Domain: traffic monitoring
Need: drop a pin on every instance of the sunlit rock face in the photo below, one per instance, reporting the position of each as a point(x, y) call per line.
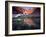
point(27, 12)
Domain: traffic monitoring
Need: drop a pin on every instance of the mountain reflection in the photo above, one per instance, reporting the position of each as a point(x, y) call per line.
point(29, 21)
